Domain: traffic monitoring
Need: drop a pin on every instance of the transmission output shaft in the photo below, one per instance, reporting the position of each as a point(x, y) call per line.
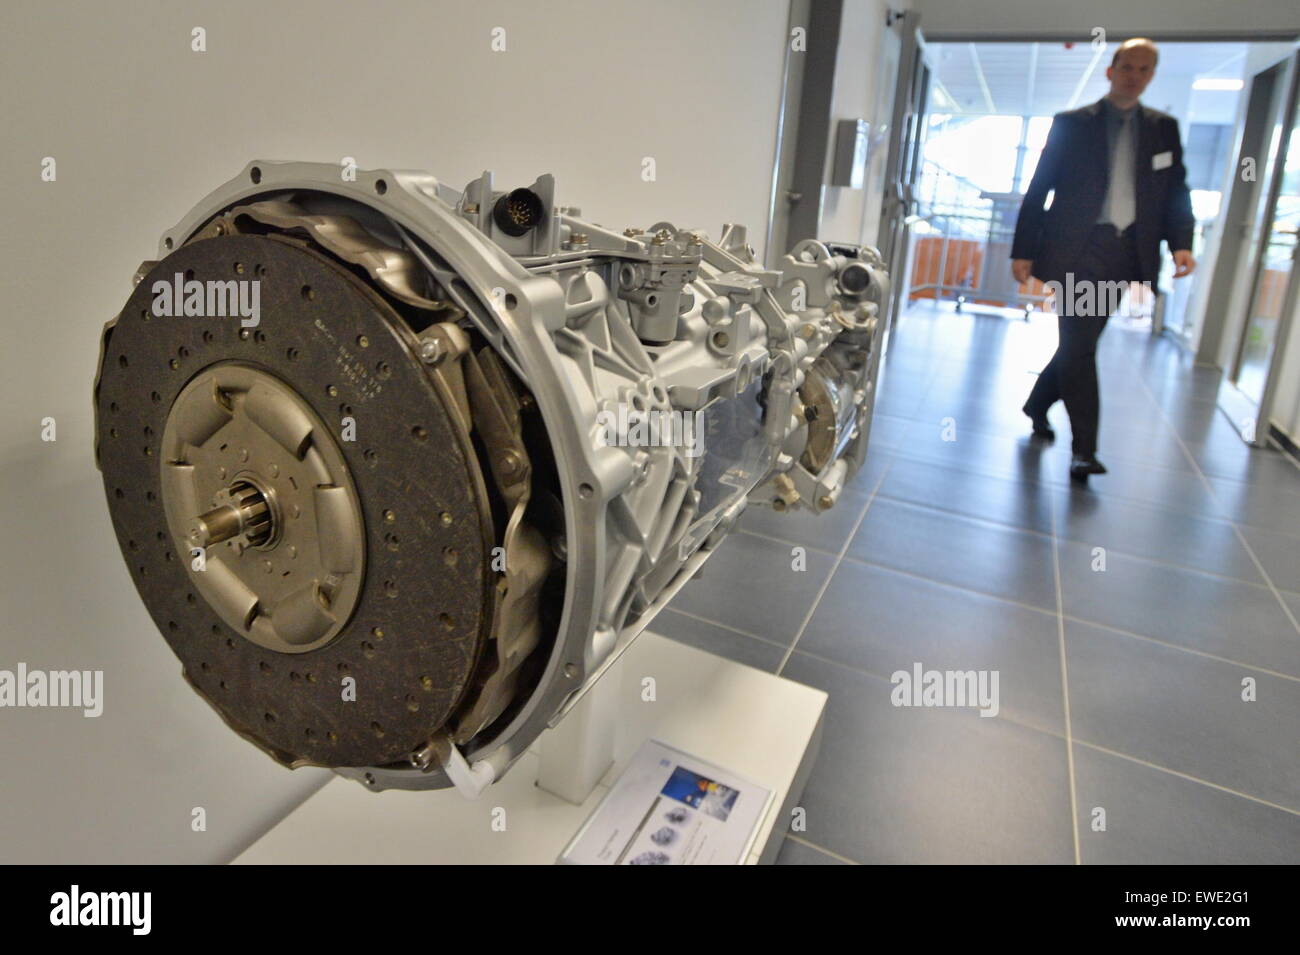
point(241, 509)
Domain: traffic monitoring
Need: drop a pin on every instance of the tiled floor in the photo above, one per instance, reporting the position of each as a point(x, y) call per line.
point(1124, 618)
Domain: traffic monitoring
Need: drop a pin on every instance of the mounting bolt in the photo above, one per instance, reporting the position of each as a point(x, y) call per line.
point(786, 496)
point(511, 464)
point(431, 351)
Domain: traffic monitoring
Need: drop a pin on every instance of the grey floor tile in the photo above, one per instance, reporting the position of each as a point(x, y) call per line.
point(1173, 490)
point(986, 369)
point(1228, 618)
point(799, 853)
point(907, 371)
point(1157, 818)
point(1172, 402)
point(1161, 359)
point(916, 785)
point(888, 431)
point(898, 403)
point(1190, 418)
point(1143, 530)
point(1246, 465)
point(1268, 507)
point(1191, 422)
point(1197, 384)
point(1006, 420)
point(1011, 457)
point(1018, 504)
point(1219, 434)
point(1279, 553)
point(1134, 409)
point(924, 339)
point(877, 464)
point(906, 378)
point(1121, 452)
point(1010, 452)
point(952, 549)
point(881, 621)
point(1153, 442)
point(1292, 601)
point(717, 640)
point(996, 398)
point(1185, 712)
point(750, 584)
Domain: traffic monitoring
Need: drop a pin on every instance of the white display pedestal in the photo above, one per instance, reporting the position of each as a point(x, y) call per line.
point(756, 725)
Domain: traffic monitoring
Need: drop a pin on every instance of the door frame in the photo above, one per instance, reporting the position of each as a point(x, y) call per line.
point(804, 127)
point(911, 100)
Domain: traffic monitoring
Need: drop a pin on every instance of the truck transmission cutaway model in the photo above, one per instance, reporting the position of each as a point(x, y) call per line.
point(399, 469)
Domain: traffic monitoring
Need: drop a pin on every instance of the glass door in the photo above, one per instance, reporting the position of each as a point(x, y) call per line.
point(1276, 266)
point(1270, 235)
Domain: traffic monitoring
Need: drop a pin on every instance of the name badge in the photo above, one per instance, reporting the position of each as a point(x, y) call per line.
point(1162, 161)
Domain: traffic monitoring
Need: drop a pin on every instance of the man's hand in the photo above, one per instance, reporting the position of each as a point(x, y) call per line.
point(1184, 264)
point(1021, 268)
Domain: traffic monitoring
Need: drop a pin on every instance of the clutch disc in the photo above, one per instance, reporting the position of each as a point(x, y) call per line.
point(280, 493)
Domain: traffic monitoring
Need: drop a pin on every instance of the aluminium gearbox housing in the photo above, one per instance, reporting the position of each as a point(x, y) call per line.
point(398, 469)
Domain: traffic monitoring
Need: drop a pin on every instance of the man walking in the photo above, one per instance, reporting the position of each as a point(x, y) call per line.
point(1116, 170)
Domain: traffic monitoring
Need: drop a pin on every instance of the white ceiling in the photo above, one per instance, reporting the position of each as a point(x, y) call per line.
point(1039, 79)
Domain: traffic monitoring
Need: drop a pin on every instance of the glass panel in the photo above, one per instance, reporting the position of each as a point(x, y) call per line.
point(1274, 273)
point(1205, 207)
point(1035, 140)
point(978, 149)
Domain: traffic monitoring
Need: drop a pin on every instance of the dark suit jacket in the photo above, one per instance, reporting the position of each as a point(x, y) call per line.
point(1076, 164)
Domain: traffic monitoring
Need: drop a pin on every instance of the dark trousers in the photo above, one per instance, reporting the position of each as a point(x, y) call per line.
point(1071, 375)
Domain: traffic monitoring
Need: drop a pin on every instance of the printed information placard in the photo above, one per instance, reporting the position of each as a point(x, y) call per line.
point(669, 808)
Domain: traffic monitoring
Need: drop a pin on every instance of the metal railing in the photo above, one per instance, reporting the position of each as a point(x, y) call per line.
point(969, 224)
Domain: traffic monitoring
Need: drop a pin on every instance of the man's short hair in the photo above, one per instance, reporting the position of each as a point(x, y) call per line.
point(1135, 42)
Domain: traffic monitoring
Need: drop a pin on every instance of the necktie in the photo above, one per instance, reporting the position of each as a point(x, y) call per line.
point(1119, 195)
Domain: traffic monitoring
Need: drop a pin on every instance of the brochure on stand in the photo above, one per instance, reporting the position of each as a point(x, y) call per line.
point(669, 808)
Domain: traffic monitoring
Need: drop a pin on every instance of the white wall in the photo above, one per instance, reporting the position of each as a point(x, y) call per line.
point(962, 18)
point(141, 128)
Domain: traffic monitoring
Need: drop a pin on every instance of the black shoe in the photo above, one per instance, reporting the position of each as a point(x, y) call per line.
point(1042, 428)
point(1082, 465)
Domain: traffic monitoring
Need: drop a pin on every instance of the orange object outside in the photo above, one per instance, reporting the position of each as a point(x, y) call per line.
point(962, 268)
